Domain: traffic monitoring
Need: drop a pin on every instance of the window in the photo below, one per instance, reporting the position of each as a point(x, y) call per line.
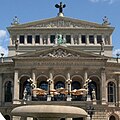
point(91, 39)
point(111, 92)
point(8, 91)
point(59, 84)
point(75, 85)
point(29, 39)
point(52, 39)
point(22, 39)
point(83, 39)
point(99, 38)
point(68, 39)
point(43, 85)
point(112, 118)
point(37, 39)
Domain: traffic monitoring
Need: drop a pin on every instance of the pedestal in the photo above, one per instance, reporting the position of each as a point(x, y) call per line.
point(68, 97)
point(48, 97)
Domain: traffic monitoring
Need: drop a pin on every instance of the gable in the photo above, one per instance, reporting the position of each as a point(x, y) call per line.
point(59, 52)
point(59, 22)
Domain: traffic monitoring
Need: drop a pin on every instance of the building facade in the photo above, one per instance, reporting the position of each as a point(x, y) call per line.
point(61, 53)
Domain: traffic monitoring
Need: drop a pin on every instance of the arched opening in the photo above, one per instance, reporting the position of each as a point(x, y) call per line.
point(112, 118)
point(43, 85)
point(59, 82)
point(111, 92)
point(8, 91)
point(7, 117)
point(95, 85)
point(23, 82)
point(75, 85)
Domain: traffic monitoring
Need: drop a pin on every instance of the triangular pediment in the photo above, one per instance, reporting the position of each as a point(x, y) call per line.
point(59, 52)
point(59, 22)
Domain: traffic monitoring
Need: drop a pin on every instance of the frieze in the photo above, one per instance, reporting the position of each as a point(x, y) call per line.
point(59, 53)
point(62, 23)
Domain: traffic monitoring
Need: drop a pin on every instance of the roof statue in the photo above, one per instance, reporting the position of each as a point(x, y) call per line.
point(15, 21)
point(106, 21)
point(60, 40)
point(60, 6)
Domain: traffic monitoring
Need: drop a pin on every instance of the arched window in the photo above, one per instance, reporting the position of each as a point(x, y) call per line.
point(59, 84)
point(8, 91)
point(43, 85)
point(111, 92)
point(7, 117)
point(112, 118)
point(75, 85)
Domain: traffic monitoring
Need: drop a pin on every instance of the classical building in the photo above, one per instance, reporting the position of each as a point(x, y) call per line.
point(68, 62)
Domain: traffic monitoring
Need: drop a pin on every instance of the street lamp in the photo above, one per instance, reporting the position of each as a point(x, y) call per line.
point(49, 83)
point(90, 110)
point(86, 86)
point(68, 82)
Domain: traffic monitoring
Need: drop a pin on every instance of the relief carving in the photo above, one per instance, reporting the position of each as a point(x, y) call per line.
point(62, 23)
point(59, 53)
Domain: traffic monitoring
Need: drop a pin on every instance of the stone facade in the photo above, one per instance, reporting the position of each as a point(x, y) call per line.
point(34, 53)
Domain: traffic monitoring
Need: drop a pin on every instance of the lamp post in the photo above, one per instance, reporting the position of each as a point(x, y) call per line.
point(49, 95)
point(90, 111)
point(86, 86)
point(68, 81)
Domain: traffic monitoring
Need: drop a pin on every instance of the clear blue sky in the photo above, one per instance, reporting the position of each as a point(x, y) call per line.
point(31, 10)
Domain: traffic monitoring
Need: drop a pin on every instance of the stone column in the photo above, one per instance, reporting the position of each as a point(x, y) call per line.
point(87, 39)
point(103, 86)
point(95, 36)
point(103, 39)
point(1, 89)
point(16, 88)
point(41, 40)
point(52, 84)
point(29, 118)
point(48, 40)
point(79, 38)
point(34, 78)
point(25, 40)
point(110, 39)
point(72, 39)
point(119, 89)
point(33, 39)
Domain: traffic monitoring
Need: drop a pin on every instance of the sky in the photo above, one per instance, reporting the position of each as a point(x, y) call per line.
point(32, 10)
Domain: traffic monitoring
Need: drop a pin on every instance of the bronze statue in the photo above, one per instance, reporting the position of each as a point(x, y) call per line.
point(60, 6)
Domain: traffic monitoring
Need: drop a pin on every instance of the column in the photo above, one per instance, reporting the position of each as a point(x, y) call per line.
point(72, 39)
point(33, 78)
point(16, 88)
point(87, 39)
point(79, 38)
point(1, 89)
point(103, 39)
point(48, 39)
point(95, 38)
point(11, 43)
point(29, 118)
point(103, 86)
point(119, 89)
point(25, 40)
point(68, 119)
point(110, 39)
point(41, 40)
point(33, 39)
point(52, 84)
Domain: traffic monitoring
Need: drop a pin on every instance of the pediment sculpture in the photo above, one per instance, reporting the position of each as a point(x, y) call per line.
point(60, 53)
point(62, 23)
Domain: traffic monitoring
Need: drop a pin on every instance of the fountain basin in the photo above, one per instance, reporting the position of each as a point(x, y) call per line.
point(49, 111)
